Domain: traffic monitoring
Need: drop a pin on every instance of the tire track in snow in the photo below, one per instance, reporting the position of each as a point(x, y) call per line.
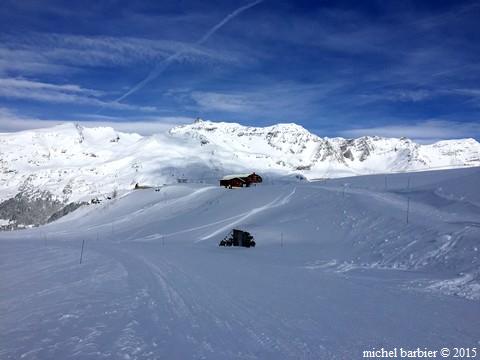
point(158, 236)
point(168, 203)
point(279, 201)
point(208, 310)
point(156, 314)
point(170, 305)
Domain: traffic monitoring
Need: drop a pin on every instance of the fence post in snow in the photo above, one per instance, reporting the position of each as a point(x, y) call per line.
point(81, 254)
point(408, 207)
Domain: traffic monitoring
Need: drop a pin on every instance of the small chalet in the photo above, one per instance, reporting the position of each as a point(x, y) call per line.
point(240, 180)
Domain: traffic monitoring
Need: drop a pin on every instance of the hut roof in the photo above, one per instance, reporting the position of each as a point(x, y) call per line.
point(234, 176)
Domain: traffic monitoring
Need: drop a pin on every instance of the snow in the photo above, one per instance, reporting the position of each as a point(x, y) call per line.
point(233, 176)
point(337, 270)
point(77, 163)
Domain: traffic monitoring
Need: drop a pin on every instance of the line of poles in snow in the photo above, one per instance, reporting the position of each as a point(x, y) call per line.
point(407, 211)
point(407, 218)
point(82, 250)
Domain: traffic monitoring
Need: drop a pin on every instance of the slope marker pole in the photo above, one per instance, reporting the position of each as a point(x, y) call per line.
point(408, 207)
point(81, 254)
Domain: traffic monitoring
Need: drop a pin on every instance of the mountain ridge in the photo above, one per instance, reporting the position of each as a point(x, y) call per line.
point(74, 163)
point(315, 149)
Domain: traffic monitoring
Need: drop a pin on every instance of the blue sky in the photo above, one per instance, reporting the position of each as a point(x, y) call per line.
point(339, 68)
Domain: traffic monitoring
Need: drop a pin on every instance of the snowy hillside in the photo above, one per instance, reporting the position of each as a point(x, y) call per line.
point(341, 266)
point(46, 173)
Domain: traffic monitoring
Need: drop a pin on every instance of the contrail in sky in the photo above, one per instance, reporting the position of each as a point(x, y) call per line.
point(163, 65)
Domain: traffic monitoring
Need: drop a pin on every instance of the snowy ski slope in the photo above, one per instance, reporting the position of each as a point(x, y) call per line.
point(337, 270)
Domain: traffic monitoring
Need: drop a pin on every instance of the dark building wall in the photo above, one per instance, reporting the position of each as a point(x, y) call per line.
point(253, 178)
point(236, 182)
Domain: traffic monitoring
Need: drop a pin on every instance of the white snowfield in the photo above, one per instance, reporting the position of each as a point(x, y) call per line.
point(337, 270)
point(76, 163)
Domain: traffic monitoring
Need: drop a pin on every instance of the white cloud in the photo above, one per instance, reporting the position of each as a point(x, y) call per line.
point(54, 93)
point(285, 100)
point(37, 53)
point(223, 102)
point(122, 51)
point(416, 95)
point(141, 125)
point(21, 84)
point(11, 121)
point(403, 95)
point(425, 131)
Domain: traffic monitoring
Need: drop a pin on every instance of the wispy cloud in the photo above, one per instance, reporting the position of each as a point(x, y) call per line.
point(424, 131)
point(54, 93)
point(399, 95)
point(12, 84)
point(321, 64)
point(11, 121)
point(28, 62)
point(280, 100)
point(39, 53)
point(472, 95)
point(163, 65)
point(226, 102)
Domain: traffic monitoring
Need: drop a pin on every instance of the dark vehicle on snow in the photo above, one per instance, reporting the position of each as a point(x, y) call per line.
point(238, 238)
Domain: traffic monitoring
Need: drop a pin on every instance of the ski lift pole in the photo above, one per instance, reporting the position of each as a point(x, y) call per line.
point(81, 253)
point(408, 207)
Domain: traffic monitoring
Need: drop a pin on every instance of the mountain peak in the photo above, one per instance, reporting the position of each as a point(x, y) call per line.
point(93, 161)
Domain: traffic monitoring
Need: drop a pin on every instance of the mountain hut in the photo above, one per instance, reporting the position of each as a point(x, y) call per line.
point(240, 180)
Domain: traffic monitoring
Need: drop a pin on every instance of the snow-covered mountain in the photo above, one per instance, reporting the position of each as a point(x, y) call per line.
point(70, 163)
point(290, 147)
